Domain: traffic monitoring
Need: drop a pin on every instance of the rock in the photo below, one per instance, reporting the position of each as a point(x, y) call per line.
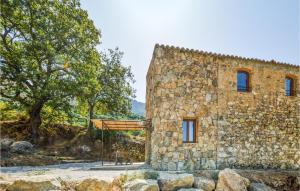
point(92, 185)
point(229, 180)
point(116, 184)
point(190, 189)
point(81, 149)
point(279, 180)
point(141, 174)
point(210, 174)
point(84, 148)
point(67, 185)
point(210, 164)
point(21, 147)
point(171, 166)
point(5, 144)
point(205, 184)
point(3, 186)
point(174, 181)
point(21, 185)
point(141, 185)
point(260, 187)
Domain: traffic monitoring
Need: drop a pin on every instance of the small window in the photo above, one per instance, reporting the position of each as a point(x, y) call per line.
point(189, 131)
point(243, 81)
point(289, 87)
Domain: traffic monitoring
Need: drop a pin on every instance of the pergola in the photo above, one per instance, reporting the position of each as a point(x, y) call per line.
point(119, 125)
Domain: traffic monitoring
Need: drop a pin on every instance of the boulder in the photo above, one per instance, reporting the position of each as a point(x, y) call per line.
point(21, 147)
point(205, 184)
point(279, 180)
point(211, 174)
point(140, 174)
point(116, 184)
point(92, 185)
point(5, 144)
point(190, 189)
point(260, 187)
point(80, 149)
point(21, 185)
point(141, 185)
point(3, 186)
point(84, 148)
point(67, 185)
point(229, 180)
point(175, 181)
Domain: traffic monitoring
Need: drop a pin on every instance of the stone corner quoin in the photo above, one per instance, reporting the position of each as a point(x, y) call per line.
point(258, 128)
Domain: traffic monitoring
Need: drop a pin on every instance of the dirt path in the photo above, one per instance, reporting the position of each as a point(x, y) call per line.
point(66, 172)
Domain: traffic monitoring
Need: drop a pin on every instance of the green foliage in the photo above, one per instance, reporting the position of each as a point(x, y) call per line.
point(50, 69)
point(47, 50)
point(115, 81)
point(11, 111)
point(130, 116)
point(51, 116)
point(136, 133)
point(110, 93)
point(44, 45)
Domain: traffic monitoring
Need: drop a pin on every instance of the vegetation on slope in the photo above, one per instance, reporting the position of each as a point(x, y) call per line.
point(53, 80)
point(50, 69)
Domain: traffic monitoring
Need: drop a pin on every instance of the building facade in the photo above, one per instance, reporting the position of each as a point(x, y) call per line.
point(211, 111)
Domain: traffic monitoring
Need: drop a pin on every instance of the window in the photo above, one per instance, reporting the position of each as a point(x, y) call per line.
point(243, 81)
point(189, 131)
point(289, 86)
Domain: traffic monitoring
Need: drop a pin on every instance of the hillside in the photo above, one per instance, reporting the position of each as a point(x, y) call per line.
point(61, 143)
point(138, 108)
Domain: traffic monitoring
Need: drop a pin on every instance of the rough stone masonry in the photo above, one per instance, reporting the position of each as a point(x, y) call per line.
point(255, 129)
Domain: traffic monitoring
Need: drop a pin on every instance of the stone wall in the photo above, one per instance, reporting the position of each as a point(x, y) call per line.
point(259, 128)
point(183, 85)
point(255, 129)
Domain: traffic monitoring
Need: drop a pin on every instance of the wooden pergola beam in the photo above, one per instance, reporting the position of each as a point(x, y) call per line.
point(124, 129)
point(119, 125)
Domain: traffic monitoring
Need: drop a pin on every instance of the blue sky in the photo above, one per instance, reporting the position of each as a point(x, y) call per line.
point(266, 29)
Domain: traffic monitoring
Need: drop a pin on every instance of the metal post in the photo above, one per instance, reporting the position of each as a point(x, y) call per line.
point(102, 144)
point(110, 145)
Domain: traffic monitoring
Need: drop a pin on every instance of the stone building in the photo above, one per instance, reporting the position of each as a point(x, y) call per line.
point(211, 111)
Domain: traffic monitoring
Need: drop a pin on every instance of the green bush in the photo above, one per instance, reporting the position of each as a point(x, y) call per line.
point(11, 112)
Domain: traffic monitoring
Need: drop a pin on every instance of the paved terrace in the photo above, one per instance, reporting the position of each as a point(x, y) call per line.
point(67, 172)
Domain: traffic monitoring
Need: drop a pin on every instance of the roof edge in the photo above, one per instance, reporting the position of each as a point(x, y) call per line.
point(222, 55)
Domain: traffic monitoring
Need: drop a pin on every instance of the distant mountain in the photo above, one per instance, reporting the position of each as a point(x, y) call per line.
point(138, 108)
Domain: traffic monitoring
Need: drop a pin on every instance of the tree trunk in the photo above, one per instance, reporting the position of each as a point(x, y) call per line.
point(35, 119)
point(91, 116)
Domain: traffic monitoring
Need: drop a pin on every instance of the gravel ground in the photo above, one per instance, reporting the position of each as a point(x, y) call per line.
point(67, 172)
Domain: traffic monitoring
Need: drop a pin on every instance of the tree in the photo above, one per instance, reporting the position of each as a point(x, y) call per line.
point(113, 92)
point(45, 48)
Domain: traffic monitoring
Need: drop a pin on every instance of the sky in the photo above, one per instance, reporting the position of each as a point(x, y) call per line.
point(266, 29)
